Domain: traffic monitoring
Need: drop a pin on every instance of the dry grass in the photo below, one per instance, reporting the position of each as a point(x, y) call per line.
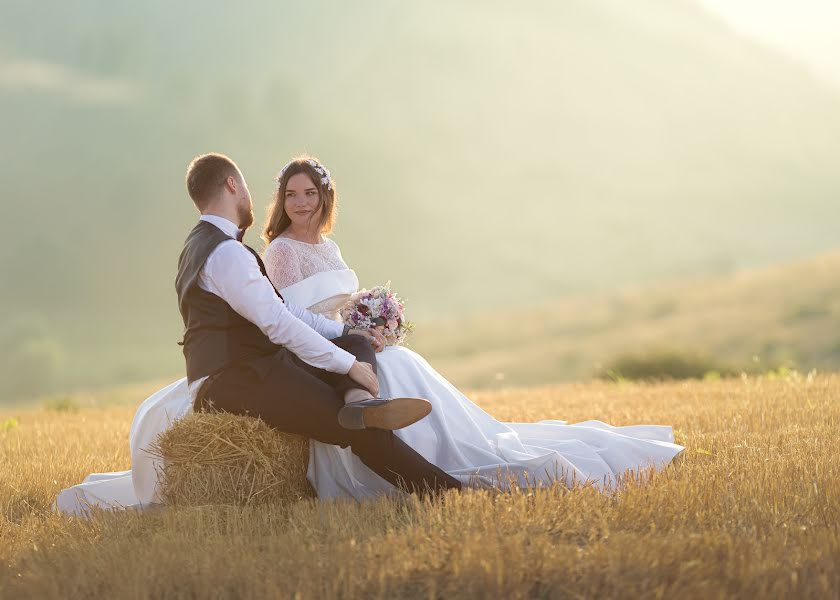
point(217, 458)
point(751, 510)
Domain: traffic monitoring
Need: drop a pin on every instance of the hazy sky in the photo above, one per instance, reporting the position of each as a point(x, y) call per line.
point(659, 146)
point(809, 30)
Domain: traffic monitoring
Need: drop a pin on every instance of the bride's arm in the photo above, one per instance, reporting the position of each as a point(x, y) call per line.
point(282, 265)
point(283, 269)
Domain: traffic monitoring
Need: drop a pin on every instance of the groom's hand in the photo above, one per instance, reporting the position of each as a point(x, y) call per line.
point(374, 336)
point(362, 373)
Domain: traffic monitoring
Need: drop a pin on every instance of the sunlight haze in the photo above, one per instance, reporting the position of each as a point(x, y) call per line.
point(808, 30)
point(489, 159)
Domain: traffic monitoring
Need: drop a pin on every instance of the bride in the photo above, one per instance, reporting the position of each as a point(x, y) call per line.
point(458, 436)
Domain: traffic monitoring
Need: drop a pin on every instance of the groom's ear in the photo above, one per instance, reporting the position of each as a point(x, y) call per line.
point(231, 183)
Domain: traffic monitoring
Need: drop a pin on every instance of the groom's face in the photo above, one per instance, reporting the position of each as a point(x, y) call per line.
point(244, 205)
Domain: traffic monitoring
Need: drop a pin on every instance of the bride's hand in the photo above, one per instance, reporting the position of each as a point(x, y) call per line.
point(377, 340)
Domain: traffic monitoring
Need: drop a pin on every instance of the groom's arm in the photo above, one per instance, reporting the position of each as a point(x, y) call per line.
point(326, 327)
point(232, 273)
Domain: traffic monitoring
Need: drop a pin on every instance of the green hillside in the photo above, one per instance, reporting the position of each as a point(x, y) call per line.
point(786, 315)
point(488, 156)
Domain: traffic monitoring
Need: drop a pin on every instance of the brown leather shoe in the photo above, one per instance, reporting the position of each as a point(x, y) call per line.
point(383, 413)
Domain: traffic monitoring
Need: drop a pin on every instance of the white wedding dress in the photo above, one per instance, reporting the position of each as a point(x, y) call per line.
point(457, 436)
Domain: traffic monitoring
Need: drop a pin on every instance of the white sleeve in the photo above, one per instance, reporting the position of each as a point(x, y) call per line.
point(327, 327)
point(232, 273)
point(282, 264)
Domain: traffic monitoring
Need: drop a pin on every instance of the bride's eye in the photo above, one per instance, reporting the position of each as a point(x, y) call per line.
point(310, 193)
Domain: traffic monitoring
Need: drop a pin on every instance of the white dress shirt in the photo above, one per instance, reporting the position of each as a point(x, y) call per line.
point(232, 273)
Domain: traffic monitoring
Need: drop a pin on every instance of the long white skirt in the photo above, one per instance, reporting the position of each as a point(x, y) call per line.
point(469, 444)
point(457, 436)
point(136, 488)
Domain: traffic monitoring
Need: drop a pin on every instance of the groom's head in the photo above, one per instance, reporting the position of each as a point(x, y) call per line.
point(216, 186)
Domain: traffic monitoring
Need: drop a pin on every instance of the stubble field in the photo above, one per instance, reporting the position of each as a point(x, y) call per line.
point(751, 509)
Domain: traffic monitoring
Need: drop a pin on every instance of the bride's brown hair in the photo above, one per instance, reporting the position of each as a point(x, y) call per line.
point(277, 220)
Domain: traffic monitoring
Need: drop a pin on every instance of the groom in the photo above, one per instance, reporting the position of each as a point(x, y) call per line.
point(250, 353)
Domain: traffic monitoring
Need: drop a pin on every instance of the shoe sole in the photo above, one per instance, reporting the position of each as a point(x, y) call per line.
point(396, 414)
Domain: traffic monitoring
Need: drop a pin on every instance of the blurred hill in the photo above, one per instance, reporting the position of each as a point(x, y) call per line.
point(488, 156)
point(785, 315)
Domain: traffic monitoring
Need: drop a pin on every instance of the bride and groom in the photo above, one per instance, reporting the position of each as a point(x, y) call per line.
point(264, 337)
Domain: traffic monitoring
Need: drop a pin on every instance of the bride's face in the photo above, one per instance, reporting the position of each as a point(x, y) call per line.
point(301, 201)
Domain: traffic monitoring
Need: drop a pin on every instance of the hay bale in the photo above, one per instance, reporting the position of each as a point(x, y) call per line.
point(220, 458)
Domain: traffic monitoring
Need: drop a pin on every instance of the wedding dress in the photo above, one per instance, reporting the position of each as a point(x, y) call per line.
point(457, 436)
point(137, 487)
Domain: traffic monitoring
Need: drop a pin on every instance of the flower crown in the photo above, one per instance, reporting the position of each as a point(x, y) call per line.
point(326, 178)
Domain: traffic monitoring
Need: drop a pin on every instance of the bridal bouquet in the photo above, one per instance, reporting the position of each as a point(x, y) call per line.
point(381, 308)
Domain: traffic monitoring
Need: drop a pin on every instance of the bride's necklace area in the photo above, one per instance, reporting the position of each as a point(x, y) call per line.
point(296, 238)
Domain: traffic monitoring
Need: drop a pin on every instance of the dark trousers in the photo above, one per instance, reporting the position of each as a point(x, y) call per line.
point(293, 396)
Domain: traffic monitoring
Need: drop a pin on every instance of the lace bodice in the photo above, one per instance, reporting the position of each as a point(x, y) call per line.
point(289, 262)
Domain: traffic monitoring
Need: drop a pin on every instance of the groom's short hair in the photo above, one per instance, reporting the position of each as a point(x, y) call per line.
point(206, 175)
